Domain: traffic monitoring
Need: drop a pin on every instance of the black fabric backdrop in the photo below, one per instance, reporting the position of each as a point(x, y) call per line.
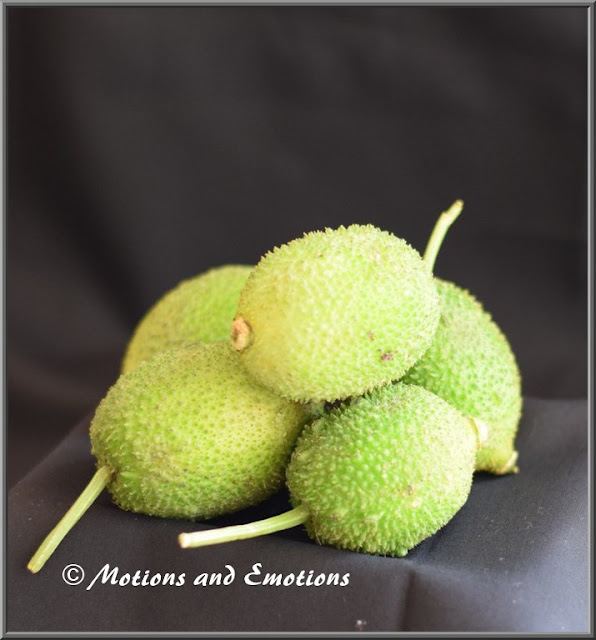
point(148, 144)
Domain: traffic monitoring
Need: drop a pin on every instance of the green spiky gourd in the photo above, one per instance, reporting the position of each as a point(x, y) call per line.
point(378, 474)
point(470, 364)
point(187, 434)
point(385, 473)
point(336, 313)
point(198, 309)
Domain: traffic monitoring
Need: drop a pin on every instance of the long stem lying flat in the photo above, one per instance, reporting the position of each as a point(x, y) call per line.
point(446, 219)
point(71, 517)
point(285, 520)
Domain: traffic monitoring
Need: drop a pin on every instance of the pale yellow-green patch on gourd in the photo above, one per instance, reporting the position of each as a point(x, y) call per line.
point(198, 309)
point(189, 434)
point(471, 365)
point(336, 313)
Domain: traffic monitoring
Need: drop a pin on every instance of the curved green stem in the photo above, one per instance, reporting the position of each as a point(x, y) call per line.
point(510, 466)
point(446, 219)
point(285, 520)
point(481, 429)
point(71, 517)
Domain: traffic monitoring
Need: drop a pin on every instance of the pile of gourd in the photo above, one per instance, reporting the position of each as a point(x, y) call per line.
point(339, 364)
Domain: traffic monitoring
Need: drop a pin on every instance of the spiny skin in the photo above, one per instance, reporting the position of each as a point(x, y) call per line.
point(199, 309)
point(471, 365)
point(383, 472)
point(336, 313)
point(189, 434)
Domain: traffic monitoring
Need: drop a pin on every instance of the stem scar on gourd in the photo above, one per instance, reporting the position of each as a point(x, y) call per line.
point(242, 334)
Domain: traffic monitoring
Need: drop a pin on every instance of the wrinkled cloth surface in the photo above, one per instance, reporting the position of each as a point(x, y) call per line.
point(514, 558)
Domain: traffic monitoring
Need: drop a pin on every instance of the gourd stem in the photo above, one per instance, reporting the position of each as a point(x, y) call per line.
point(510, 466)
point(286, 520)
point(97, 484)
point(446, 219)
